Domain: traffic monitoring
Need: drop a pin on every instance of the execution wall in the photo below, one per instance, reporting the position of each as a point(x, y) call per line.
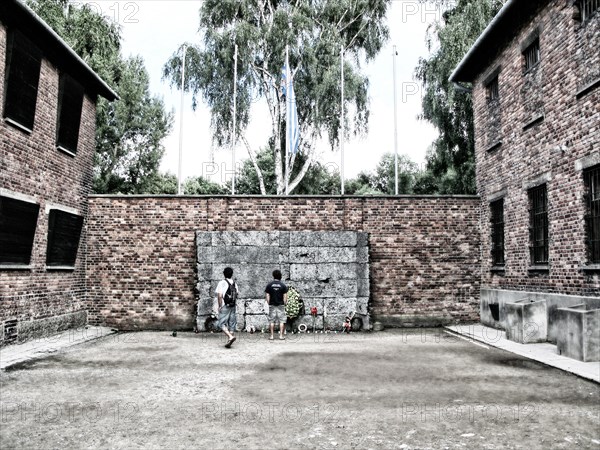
point(141, 268)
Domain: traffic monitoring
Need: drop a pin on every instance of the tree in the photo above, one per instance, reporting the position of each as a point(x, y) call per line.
point(129, 131)
point(315, 32)
point(202, 186)
point(451, 160)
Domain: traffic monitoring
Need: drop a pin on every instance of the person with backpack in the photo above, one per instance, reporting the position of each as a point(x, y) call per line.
point(276, 295)
point(227, 294)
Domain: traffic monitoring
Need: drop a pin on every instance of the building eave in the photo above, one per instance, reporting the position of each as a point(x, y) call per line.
point(17, 14)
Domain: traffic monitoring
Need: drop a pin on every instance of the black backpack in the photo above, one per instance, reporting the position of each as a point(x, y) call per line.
point(231, 295)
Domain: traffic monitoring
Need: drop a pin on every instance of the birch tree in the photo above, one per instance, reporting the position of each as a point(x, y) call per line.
point(315, 32)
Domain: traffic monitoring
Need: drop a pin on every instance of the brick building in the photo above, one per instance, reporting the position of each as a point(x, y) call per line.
point(535, 74)
point(48, 102)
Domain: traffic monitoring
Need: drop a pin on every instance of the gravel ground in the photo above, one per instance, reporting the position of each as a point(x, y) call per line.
point(395, 389)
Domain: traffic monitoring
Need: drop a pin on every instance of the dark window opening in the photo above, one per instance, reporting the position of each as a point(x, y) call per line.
point(64, 231)
point(538, 219)
point(70, 101)
point(497, 219)
point(492, 89)
point(23, 63)
point(588, 8)
point(532, 55)
point(18, 220)
point(592, 215)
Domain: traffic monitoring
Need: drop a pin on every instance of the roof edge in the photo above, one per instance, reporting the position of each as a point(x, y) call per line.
point(102, 87)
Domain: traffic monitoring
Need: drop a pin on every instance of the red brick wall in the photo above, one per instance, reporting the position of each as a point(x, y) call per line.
point(570, 59)
point(30, 164)
point(424, 252)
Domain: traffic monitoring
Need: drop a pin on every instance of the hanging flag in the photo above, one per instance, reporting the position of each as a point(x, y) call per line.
point(291, 117)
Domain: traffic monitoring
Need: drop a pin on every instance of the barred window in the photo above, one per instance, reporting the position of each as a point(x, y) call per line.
point(497, 220)
point(532, 54)
point(64, 230)
point(588, 8)
point(538, 225)
point(23, 63)
point(18, 220)
point(592, 216)
point(493, 92)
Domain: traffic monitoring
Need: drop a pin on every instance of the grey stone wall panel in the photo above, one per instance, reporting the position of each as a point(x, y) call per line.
point(313, 255)
point(245, 238)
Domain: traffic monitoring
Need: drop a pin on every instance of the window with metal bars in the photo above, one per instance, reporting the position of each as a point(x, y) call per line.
point(532, 55)
point(592, 216)
point(588, 8)
point(492, 89)
point(497, 220)
point(538, 225)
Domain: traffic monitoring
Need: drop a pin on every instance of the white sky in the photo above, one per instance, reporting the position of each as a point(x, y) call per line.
point(154, 29)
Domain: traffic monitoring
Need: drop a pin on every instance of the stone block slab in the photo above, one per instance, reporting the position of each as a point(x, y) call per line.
point(204, 238)
point(323, 239)
point(204, 271)
point(256, 306)
point(258, 321)
point(332, 289)
point(313, 255)
point(229, 255)
point(362, 239)
point(245, 238)
point(341, 306)
point(363, 287)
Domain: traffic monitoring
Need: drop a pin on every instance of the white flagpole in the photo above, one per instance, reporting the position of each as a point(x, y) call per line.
point(288, 74)
point(342, 121)
point(179, 187)
point(233, 132)
point(395, 126)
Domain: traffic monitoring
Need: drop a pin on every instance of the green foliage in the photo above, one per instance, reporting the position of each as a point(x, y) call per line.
point(382, 180)
point(451, 160)
point(202, 186)
point(315, 32)
point(129, 131)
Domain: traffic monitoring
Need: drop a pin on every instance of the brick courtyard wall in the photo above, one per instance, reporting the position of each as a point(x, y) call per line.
point(424, 252)
point(31, 165)
point(511, 156)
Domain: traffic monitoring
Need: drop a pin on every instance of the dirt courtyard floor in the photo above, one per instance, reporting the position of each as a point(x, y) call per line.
point(394, 389)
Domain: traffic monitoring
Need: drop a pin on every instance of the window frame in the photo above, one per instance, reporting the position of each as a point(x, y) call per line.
point(28, 239)
point(587, 9)
point(21, 51)
point(532, 54)
point(54, 235)
point(539, 224)
point(492, 90)
point(69, 111)
point(497, 233)
point(591, 179)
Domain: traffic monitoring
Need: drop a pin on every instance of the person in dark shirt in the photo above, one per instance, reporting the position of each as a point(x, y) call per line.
point(276, 294)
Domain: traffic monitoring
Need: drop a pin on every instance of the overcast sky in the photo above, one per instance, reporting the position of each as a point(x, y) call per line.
point(155, 28)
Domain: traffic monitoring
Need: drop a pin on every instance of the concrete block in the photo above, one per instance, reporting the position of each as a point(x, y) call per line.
point(205, 306)
point(303, 272)
point(308, 255)
point(256, 306)
point(526, 321)
point(337, 271)
point(205, 289)
point(362, 270)
point(362, 305)
point(203, 238)
point(245, 238)
point(205, 254)
point(332, 289)
point(578, 334)
point(228, 255)
point(258, 321)
point(204, 272)
point(362, 239)
point(284, 238)
point(241, 322)
point(362, 254)
point(309, 302)
point(323, 239)
point(243, 273)
point(334, 321)
point(341, 306)
point(363, 287)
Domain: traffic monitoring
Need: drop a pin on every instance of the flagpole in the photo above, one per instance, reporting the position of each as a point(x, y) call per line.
point(395, 127)
point(179, 187)
point(342, 121)
point(233, 138)
point(287, 118)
